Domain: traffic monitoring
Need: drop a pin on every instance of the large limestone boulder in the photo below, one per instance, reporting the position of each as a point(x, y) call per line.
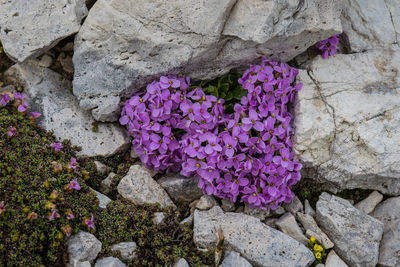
point(347, 120)
point(123, 45)
point(29, 28)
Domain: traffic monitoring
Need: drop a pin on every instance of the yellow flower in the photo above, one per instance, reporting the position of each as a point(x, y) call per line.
point(312, 239)
point(318, 255)
point(318, 248)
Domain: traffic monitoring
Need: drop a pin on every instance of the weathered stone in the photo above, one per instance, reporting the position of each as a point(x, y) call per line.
point(261, 214)
point(312, 229)
point(347, 126)
point(181, 188)
point(138, 187)
point(158, 217)
point(80, 264)
point(108, 181)
point(227, 205)
point(83, 247)
point(368, 205)
point(388, 212)
point(103, 199)
point(181, 263)
point(109, 262)
point(127, 250)
point(100, 167)
point(233, 259)
point(333, 260)
point(294, 206)
point(62, 114)
point(271, 222)
point(45, 61)
point(66, 62)
point(188, 220)
point(287, 224)
point(356, 235)
point(255, 241)
point(134, 155)
point(308, 209)
point(206, 202)
point(278, 211)
point(28, 30)
point(68, 47)
point(122, 46)
point(370, 24)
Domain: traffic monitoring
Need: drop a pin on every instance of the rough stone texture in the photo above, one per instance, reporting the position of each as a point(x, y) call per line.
point(181, 263)
point(80, 264)
point(347, 121)
point(108, 181)
point(308, 209)
point(370, 24)
point(100, 167)
point(312, 228)
point(206, 202)
point(356, 235)
point(188, 220)
point(62, 114)
point(158, 217)
point(256, 212)
point(294, 206)
point(127, 250)
point(333, 260)
point(45, 61)
point(227, 205)
point(83, 247)
point(181, 188)
point(122, 46)
point(388, 212)
point(287, 224)
point(233, 259)
point(138, 187)
point(271, 222)
point(255, 241)
point(28, 30)
point(109, 262)
point(368, 205)
point(66, 62)
point(103, 199)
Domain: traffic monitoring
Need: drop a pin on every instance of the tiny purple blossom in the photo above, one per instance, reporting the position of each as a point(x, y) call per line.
point(2, 207)
point(89, 222)
point(54, 215)
point(73, 185)
point(11, 132)
point(57, 146)
point(35, 114)
point(72, 165)
point(4, 99)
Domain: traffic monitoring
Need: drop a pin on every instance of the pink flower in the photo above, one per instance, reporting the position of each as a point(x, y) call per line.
point(54, 215)
point(57, 146)
point(11, 132)
point(35, 114)
point(73, 185)
point(2, 207)
point(89, 222)
point(72, 164)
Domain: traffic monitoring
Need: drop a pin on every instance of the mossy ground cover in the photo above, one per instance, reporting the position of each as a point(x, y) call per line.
point(29, 185)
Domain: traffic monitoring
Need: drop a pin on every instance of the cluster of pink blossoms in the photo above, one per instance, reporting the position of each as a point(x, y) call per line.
point(244, 156)
point(328, 47)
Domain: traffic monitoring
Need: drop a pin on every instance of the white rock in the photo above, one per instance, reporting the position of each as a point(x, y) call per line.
point(181, 263)
point(181, 188)
point(308, 209)
point(356, 235)
point(288, 225)
point(255, 241)
point(109, 262)
point(45, 61)
point(127, 250)
point(158, 217)
point(188, 220)
point(294, 206)
point(139, 187)
point(30, 29)
point(388, 212)
point(206, 202)
point(100, 167)
point(83, 247)
point(348, 124)
point(233, 259)
point(62, 114)
point(261, 214)
point(312, 229)
point(108, 181)
point(81, 264)
point(333, 260)
point(103, 199)
point(121, 46)
point(368, 205)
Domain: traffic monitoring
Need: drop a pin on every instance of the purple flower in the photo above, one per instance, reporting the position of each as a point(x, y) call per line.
point(89, 222)
point(72, 164)
point(35, 114)
point(54, 215)
point(11, 132)
point(57, 146)
point(2, 207)
point(4, 99)
point(23, 107)
point(328, 47)
point(70, 215)
point(73, 185)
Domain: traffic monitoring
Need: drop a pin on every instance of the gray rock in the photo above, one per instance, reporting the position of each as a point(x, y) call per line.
point(127, 250)
point(108, 181)
point(288, 225)
point(109, 262)
point(278, 211)
point(256, 212)
point(368, 205)
point(206, 202)
point(181, 188)
point(121, 46)
point(30, 30)
point(62, 114)
point(103, 199)
point(66, 62)
point(227, 205)
point(320, 265)
point(158, 217)
point(312, 229)
point(69, 47)
point(134, 155)
point(255, 241)
point(81, 264)
point(388, 212)
point(356, 235)
point(271, 222)
point(308, 209)
point(233, 259)
point(346, 128)
point(188, 220)
point(333, 260)
point(294, 206)
point(139, 187)
point(181, 263)
point(83, 247)
point(45, 61)
point(100, 167)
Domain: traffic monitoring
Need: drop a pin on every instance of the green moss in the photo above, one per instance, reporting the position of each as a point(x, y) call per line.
point(28, 182)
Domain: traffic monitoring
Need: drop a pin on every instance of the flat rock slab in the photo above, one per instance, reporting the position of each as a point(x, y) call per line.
point(28, 29)
point(356, 235)
point(255, 241)
point(181, 188)
point(61, 112)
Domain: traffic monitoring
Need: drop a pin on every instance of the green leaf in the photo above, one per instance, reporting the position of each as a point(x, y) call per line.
point(228, 96)
point(223, 88)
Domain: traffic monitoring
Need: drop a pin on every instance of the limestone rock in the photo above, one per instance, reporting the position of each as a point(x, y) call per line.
point(312, 229)
point(261, 214)
point(188, 220)
point(333, 260)
point(388, 212)
point(127, 250)
point(100, 167)
point(139, 187)
point(66, 63)
point(347, 125)
point(62, 114)
point(108, 181)
point(103, 199)
point(158, 217)
point(45, 61)
point(255, 241)
point(109, 262)
point(181, 188)
point(27, 30)
point(288, 225)
point(83, 247)
point(308, 209)
point(123, 46)
point(368, 205)
point(181, 263)
point(233, 259)
point(227, 205)
point(294, 206)
point(356, 235)
point(206, 202)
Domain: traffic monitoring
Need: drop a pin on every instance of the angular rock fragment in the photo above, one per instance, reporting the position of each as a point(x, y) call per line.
point(288, 225)
point(127, 250)
point(83, 247)
point(312, 229)
point(181, 188)
point(368, 205)
point(109, 262)
point(233, 259)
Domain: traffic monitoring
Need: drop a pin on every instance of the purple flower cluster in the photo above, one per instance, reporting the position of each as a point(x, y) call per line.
point(246, 155)
point(328, 47)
